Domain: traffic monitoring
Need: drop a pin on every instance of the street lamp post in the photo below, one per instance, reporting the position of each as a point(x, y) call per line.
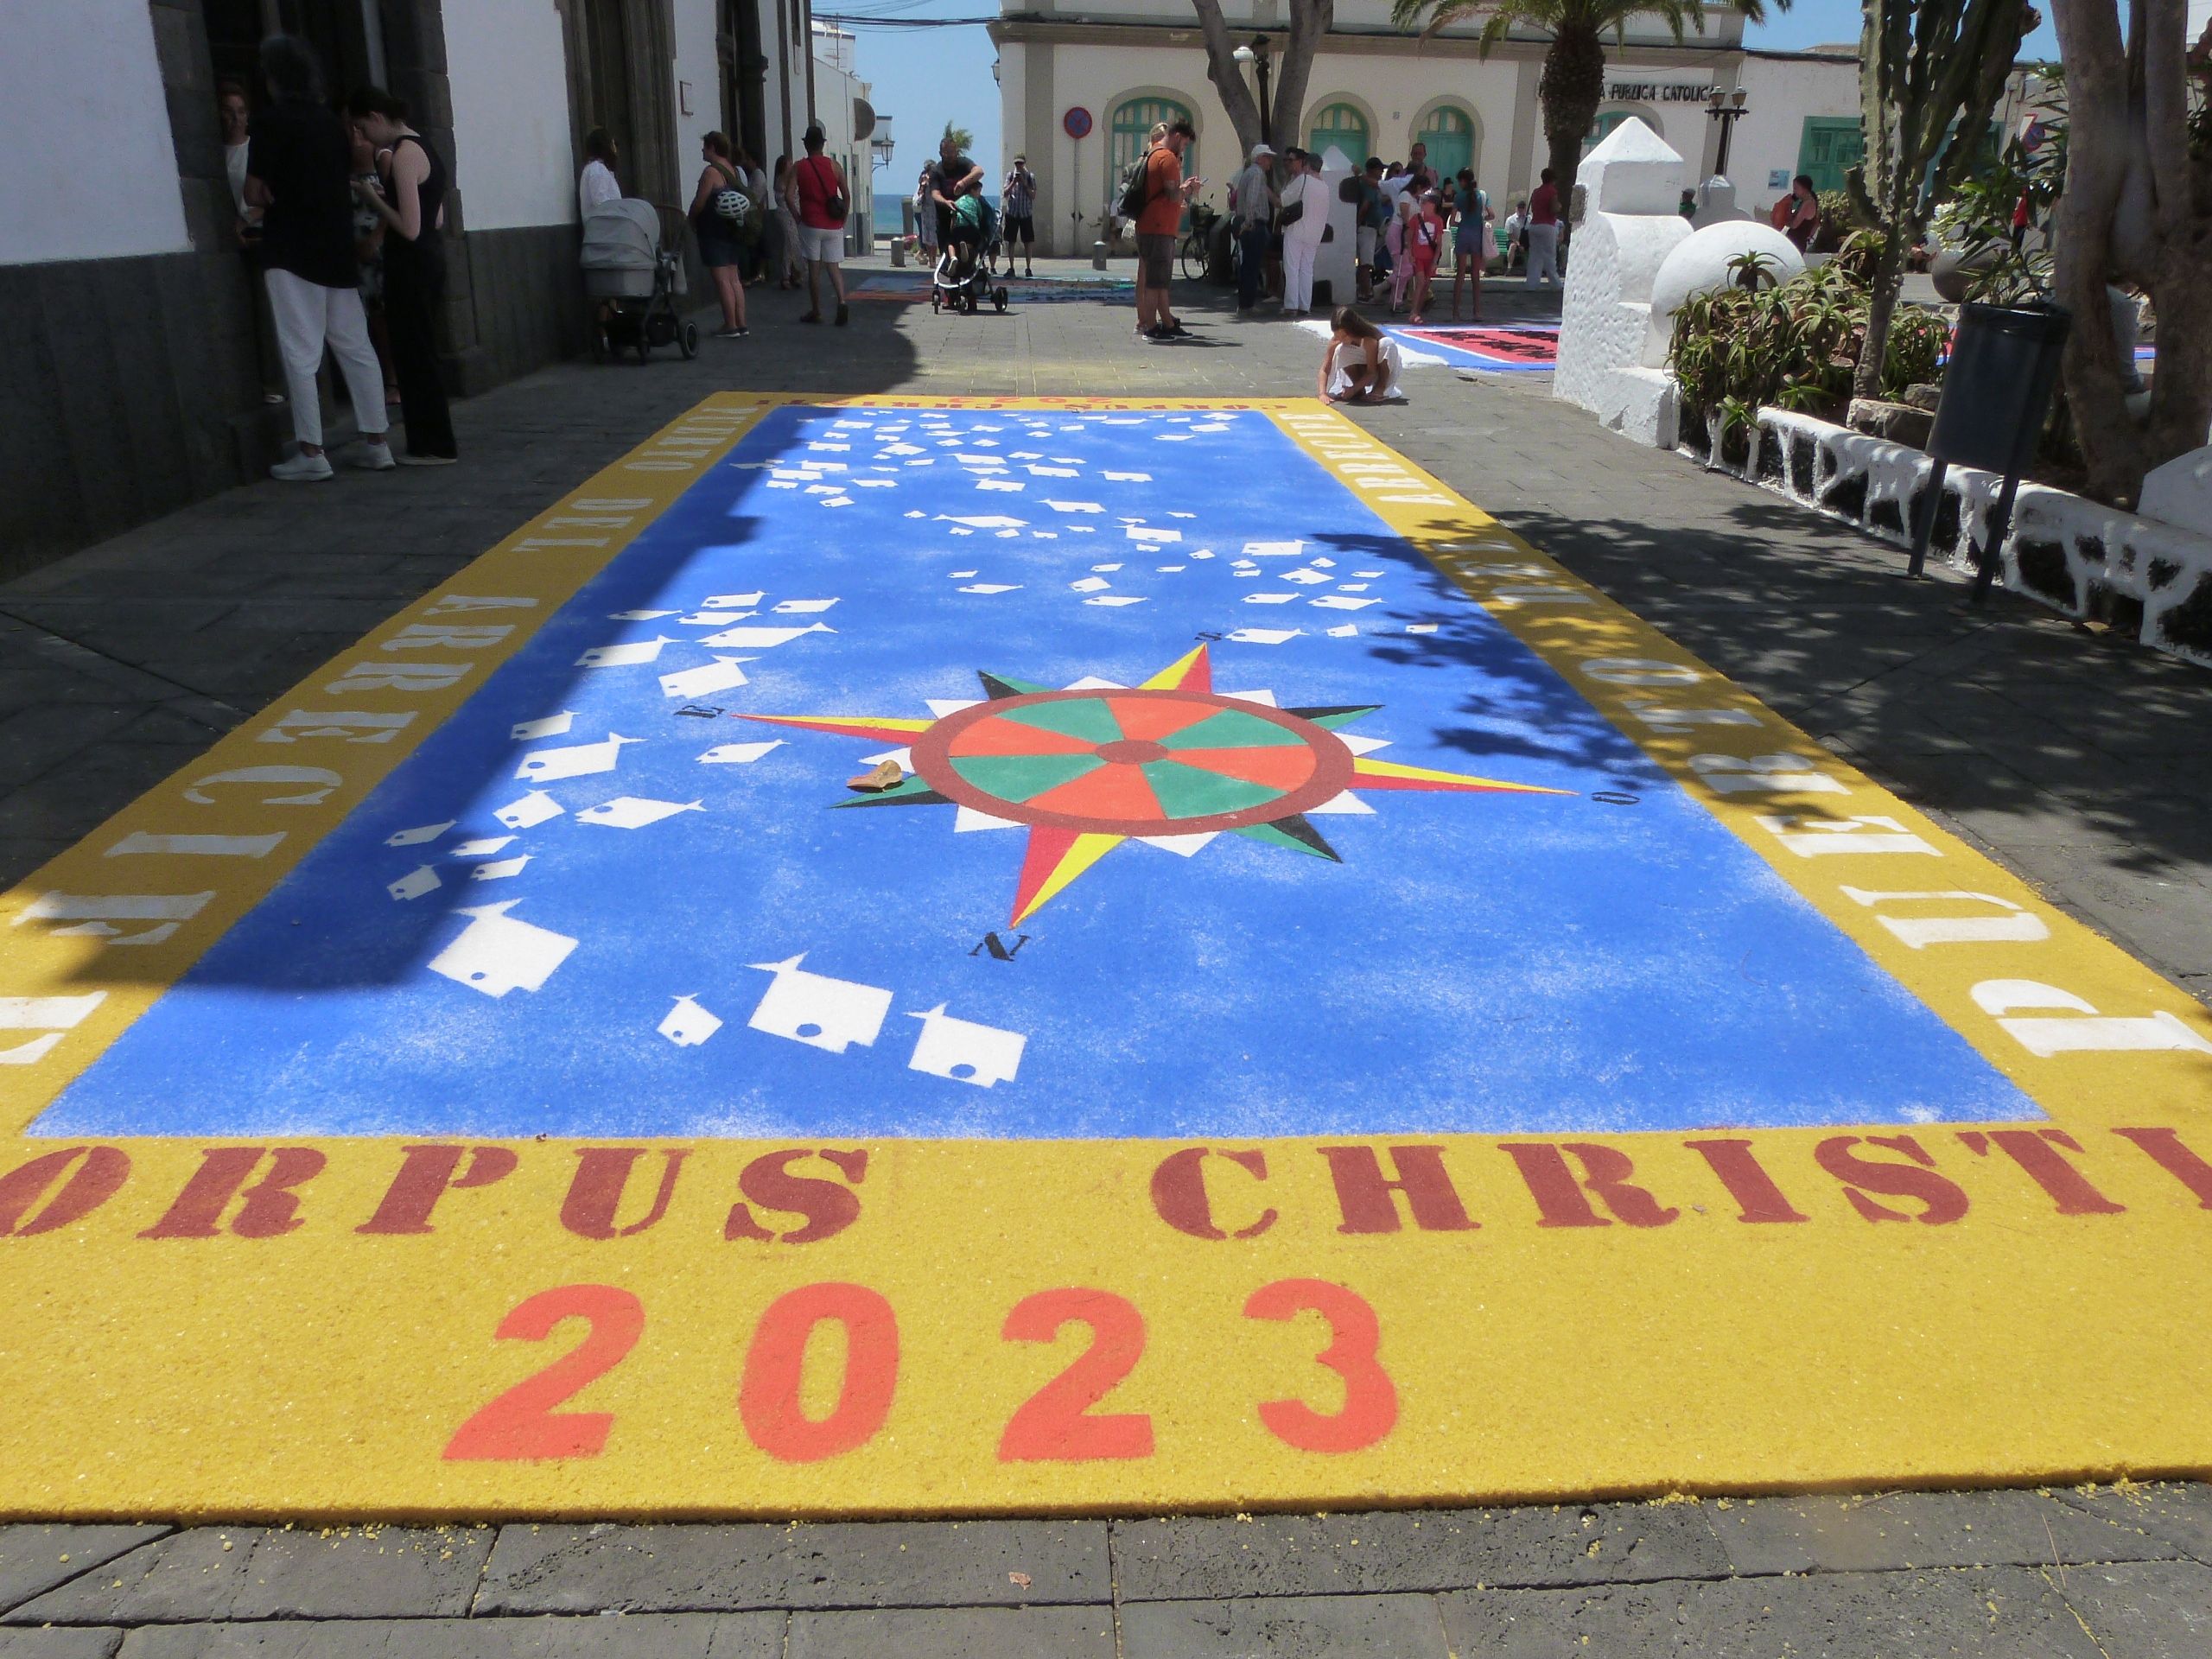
point(1255, 57)
point(1727, 108)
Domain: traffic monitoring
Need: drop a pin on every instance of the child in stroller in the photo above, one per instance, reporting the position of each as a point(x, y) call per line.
point(964, 270)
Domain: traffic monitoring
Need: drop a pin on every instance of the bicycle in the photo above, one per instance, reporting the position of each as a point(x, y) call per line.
point(1197, 242)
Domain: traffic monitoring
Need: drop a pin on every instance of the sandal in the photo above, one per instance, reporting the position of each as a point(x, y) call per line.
point(811, 316)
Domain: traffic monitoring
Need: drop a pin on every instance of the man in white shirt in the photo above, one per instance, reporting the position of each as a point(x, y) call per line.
point(1251, 208)
point(1305, 215)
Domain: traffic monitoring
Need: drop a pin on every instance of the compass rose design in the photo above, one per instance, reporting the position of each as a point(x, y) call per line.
point(1169, 761)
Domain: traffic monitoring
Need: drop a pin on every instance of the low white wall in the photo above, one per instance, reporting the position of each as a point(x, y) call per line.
point(91, 168)
point(509, 76)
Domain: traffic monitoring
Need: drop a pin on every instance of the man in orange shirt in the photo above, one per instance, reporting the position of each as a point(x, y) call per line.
point(1166, 190)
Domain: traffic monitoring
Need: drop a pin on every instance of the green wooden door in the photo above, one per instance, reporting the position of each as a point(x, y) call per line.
point(1450, 137)
point(1344, 126)
point(1134, 118)
point(1830, 144)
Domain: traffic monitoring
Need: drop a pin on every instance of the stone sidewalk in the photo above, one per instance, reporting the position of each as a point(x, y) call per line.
point(2064, 755)
point(2088, 1575)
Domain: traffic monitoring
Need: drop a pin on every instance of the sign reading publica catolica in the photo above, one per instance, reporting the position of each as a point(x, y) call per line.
point(1658, 91)
point(908, 954)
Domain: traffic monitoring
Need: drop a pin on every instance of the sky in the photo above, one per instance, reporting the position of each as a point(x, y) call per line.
point(923, 78)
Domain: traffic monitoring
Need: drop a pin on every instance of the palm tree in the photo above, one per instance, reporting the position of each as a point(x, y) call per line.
point(959, 137)
point(1574, 82)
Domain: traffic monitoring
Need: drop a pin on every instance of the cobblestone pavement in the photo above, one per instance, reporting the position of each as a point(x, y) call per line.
point(2088, 1574)
point(2059, 751)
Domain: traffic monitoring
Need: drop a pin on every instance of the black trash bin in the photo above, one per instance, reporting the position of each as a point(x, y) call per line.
point(1996, 386)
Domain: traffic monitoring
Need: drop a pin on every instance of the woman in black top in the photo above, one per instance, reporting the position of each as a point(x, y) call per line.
point(720, 250)
point(412, 208)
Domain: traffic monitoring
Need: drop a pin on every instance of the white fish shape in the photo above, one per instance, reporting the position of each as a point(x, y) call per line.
point(496, 954)
point(416, 882)
point(687, 1025)
point(738, 754)
point(626, 654)
point(529, 810)
point(482, 847)
point(762, 638)
point(732, 601)
point(635, 811)
point(417, 835)
point(552, 726)
point(815, 1009)
point(500, 868)
point(723, 674)
point(1264, 636)
point(965, 1051)
point(804, 606)
point(578, 761)
point(1340, 602)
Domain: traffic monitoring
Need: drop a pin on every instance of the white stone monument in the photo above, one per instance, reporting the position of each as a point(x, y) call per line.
point(1636, 259)
point(1626, 218)
point(1337, 263)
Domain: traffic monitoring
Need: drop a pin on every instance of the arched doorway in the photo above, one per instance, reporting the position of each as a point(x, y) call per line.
point(1344, 125)
point(1136, 116)
point(1449, 132)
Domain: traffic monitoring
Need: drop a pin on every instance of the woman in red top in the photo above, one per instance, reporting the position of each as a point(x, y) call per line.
point(824, 201)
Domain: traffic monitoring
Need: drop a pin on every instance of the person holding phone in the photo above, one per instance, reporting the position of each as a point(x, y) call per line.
point(1166, 191)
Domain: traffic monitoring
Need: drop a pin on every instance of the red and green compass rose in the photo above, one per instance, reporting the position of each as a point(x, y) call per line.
point(1170, 762)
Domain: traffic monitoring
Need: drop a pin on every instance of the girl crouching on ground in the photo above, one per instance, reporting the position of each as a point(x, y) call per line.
point(1360, 364)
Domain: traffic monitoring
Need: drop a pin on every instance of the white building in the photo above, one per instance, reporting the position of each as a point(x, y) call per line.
point(1376, 91)
point(848, 123)
point(131, 380)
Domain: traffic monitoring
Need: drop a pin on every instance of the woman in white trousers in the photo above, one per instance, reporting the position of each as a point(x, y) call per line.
point(1302, 238)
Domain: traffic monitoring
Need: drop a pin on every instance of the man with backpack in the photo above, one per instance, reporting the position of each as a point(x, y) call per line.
point(1154, 198)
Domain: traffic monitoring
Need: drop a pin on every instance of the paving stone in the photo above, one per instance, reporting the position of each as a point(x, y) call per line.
point(962, 1633)
point(1301, 1627)
point(34, 1559)
point(2180, 1512)
point(1891, 1530)
point(60, 1642)
point(2143, 1610)
point(681, 1636)
point(223, 1572)
point(846, 1563)
point(1218, 1557)
point(2007, 1613)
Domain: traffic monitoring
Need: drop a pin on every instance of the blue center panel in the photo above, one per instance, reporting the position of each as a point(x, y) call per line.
point(695, 946)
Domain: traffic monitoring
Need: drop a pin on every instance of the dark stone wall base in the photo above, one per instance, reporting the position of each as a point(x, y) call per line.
point(133, 386)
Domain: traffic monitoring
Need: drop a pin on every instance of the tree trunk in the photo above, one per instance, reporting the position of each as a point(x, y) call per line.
point(1873, 350)
point(1310, 21)
point(1572, 87)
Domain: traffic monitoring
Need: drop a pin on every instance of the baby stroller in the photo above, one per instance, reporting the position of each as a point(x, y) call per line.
point(633, 273)
point(962, 278)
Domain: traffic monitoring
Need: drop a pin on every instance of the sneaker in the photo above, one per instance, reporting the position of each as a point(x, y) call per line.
point(1177, 331)
point(842, 318)
point(302, 469)
point(1158, 336)
point(730, 334)
point(411, 459)
point(372, 458)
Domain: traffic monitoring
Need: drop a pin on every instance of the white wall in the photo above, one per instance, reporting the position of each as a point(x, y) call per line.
point(1779, 93)
point(697, 66)
point(90, 171)
point(510, 81)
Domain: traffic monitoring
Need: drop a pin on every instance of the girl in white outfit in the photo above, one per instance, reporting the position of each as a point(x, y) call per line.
point(1301, 240)
point(1360, 364)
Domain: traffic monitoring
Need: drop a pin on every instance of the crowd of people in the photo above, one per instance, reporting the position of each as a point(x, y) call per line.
point(1410, 222)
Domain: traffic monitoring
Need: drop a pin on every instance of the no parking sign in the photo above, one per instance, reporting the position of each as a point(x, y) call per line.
point(1076, 122)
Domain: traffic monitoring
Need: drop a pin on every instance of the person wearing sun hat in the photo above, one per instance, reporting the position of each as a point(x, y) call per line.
point(1251, 206)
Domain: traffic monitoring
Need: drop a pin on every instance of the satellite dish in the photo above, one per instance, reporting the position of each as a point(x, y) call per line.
point(863, 119)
